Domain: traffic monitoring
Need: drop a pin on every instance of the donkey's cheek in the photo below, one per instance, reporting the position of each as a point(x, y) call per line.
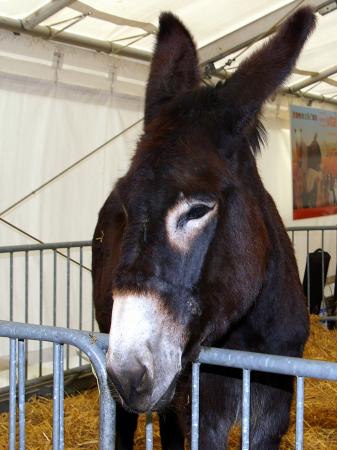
point(145, 348)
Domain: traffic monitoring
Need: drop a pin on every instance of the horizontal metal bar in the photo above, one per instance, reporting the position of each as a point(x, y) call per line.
point(15, 25)
point(284, 365)
point(313, 79)
point(84, 340)
point(41, 14)
point(48, 246)
point(313, 228)
point(72, 244)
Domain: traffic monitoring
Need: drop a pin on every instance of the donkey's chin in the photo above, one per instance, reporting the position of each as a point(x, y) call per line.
point(144, 404)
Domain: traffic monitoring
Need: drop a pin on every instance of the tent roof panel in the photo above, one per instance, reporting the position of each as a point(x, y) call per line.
point(222, 18)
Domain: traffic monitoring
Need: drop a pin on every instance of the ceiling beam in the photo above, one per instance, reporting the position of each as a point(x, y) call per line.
point(41, 14)
point(99, 45)
point(117, 20)
point(313, 79)
point(250, 33)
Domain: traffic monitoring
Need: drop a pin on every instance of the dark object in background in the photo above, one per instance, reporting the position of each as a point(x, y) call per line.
point(314, 289)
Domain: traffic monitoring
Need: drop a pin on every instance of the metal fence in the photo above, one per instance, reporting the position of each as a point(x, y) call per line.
point(50, 284)
point(248, 361)
point(307, 240)
point(95, 346)
point(46, 284)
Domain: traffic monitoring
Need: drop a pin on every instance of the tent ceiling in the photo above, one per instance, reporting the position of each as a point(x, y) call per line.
point(225, 33)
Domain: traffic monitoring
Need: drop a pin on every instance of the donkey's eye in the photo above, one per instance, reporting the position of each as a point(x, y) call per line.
point(197, 211)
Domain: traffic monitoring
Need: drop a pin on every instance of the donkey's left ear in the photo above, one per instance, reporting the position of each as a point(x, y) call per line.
point(258, 77)
point(174, 67)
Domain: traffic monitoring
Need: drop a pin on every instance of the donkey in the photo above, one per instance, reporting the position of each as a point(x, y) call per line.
point(189, 249)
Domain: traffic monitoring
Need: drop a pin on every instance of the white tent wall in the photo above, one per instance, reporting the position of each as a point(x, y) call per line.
point(51, 115)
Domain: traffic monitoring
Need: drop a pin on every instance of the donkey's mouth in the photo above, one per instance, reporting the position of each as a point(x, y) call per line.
point(143, 404)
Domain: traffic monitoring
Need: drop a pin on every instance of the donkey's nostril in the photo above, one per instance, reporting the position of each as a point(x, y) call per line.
point(143, 383)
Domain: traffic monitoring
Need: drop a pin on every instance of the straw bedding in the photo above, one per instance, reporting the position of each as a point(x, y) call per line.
point(81, 411)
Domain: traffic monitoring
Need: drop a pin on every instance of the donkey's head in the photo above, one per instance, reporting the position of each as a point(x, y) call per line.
point(190, 240)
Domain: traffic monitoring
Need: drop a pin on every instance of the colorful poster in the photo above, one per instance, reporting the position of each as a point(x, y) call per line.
point(314, 162)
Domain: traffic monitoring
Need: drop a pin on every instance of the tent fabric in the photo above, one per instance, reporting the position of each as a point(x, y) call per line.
point(206, 23)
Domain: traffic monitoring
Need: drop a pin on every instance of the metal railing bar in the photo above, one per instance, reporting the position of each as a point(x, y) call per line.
point(94, 346)
point(62, 397)
point(312, 228)
point(285, 365)
point(80, 299)
point(21, 392)
point(195, 406)
point(299, 412)
point(56, 397)
point(68, 300)
point(245, 408)
point(12, 395)
point(11, 286)
point(149, 432)
point(323, 305)
point(50, 246)
point(308, 269)
point(54, 287)
point(26, 286)
point(41, 310)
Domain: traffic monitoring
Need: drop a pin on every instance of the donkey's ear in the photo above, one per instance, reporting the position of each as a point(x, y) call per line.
point(174, 67)
point(258, 77)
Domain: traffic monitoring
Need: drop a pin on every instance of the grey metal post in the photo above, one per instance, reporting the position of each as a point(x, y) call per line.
point(195, 406)
point(149, 432)
point(299, 413)
point(12, 395)
point(21, 389)
point(245, 408)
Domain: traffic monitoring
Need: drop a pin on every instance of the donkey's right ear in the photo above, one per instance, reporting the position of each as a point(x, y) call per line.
point(174, 67)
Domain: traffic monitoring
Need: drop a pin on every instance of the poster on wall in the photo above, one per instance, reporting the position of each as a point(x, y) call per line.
point(314, 161)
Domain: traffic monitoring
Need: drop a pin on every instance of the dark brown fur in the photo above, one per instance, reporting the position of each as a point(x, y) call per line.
point(241, 276)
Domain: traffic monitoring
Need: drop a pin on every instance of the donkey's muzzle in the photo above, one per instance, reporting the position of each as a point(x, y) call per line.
point(145, 348)
point(134, 387)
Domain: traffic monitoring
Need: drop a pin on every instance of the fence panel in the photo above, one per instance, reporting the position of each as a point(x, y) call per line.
point(46, 284)
point(93, 345)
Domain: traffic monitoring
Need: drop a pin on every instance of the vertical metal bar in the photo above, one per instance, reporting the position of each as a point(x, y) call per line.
point(26, 285)
point(107, 419)
point(81, 298)
point(26, 302)
point(68, 300)
point(149, 432)
point(299, 412)
point(21, 379)
point(195, 406)
point(11, 286)
point(323, 301)
point(292, 237)
point(41, 311)
point(56, 397)
point(245, 408)
point(308, 269)
point(62, 397)
point(12, 394)
point(54, 288)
